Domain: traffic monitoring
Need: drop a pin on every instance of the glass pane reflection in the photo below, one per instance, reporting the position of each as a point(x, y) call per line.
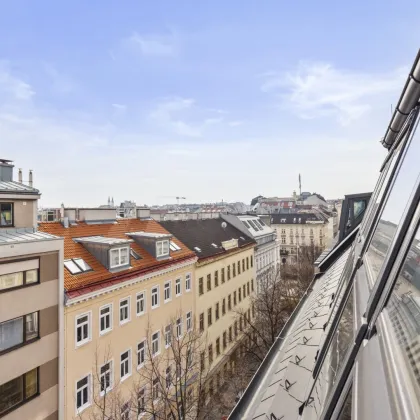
point(394, 207)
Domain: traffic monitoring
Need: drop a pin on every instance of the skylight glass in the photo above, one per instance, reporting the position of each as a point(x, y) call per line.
point(197, 249)
point(134, 254)
point(72, 267)
point(261, 222)
point(174, 246)
point(214, 245)
point(254, 226)
point(82, 264)
point(246, 223)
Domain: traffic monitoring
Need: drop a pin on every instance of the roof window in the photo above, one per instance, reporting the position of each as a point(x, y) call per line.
point(174, 247)
point(77, 266)
point(135, 255)
point(214, 245)
point(197, 249)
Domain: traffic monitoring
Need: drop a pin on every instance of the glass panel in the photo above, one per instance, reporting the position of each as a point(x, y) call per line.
point(11, 393)
point(11, 333)
point(72, 267)
point(31, 383)
point(6, 214)
point(124, 256)
point(358, 208)
point(32, 326)
point(31, 276)
point(403, 309)
point(346, 410)
point(11, 280)
point(83, 265)
point(394, 207)
point(115, 257)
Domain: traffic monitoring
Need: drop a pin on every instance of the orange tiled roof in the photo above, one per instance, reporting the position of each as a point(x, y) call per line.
point(117, 230)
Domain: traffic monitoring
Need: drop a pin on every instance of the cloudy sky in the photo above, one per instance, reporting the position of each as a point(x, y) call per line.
point(211, 100)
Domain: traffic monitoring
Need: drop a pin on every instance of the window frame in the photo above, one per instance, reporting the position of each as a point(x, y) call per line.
point(119, 257)
point(144, 342)
point(127, 375)
point(24, 275)
point(110, 314)
point(125, 321)
point(157, 287)
point(188, 282)
point(178, 282)
point(168, 333)
point(162, 244)
point(12, 225)
point(178, 325)
point(89, 323)
point(158, 342)
point(188, 320)
point(165, 299)
point(111, 378)
point(82, 408)
point(142, 293)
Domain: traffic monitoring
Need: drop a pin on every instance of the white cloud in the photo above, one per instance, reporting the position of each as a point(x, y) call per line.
point(319, 89)
point(235, 123)
point(11, 86)
point(119, 108)
point(61, 83)
point(153, 45)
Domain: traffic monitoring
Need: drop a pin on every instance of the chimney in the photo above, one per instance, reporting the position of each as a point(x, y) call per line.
point(66, 222)
point(30, 178)
point(20, 176)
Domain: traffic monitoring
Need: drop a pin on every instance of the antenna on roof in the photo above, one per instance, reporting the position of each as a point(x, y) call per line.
point(224, 225)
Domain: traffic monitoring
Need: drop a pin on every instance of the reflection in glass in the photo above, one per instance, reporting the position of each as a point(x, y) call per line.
point(346, 411)
point(394, 207)
point(403, 310)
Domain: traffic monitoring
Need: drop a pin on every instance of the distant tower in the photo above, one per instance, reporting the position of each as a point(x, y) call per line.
point(112, 202)
point(109, 201)
point(300, 186)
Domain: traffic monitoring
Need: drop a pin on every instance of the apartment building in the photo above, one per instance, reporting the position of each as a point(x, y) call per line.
point(225, 279)
point(127, 282)
point(31, 296)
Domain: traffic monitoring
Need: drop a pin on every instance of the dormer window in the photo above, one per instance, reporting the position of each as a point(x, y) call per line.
point(6, 214)
point(119, 257)
point(174, 246)
point(162, 248)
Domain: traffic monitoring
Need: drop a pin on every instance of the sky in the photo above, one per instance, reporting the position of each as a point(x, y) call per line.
point(220, 100)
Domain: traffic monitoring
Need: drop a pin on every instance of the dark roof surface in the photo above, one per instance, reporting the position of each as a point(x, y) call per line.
point(289, 218)
point(203, 233)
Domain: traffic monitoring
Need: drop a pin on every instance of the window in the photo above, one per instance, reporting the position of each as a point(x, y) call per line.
point(141, 303)
point(162, 248)
point(156, 343)
point(222, 274)
point(252, 285)
point(155, 389)
point(243, 264)
point(72, 267)
point(168, 336)
point(234, 270)
point(83, 329)
point(224, 340)
point(141, 353)
point(6, 214)
point(155, 297)
point(124, 310)
point(187, 282)
point(234, 298)
point(81, 264)
point(174, 247)
point(239, 267)
point(125, 411)
point(240, 323)
point(179, 327)
point(83, 393)
point(168, 377)
point(202, 321)
point(178, 287)
point(216, 311)
point(202, 361)
point(253, 310)
point(189, 357)
point(247, 263)
point(209, 320)
point(244, 290)
point(252, 261)
point(211, 353)
point(189, 321)
point(229, 303)
point(216, 278)
point(167, 291)
point(119, 257)
point(106, 378)
point(18, 390)
point(217, 347)
point(200, 286)
point(230, 334)
point(223, 306)
point(141, 401)
point(228, 272)
point(247, 288)
point(125, 365)
point(17, 331)
point(22, 278)
point(105, 319)
point(236, 329)
point(134, 254)
point(208, 282)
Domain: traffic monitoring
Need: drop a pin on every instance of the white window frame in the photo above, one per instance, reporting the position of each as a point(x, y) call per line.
point(179, 324)
point(155, 400)
point(123, 378)
point(89, 388)
point(144, 390)
point(144, 341)
point(164, 246)
point(143, 292)
point(128, 298)
point(165, 299)
point(89, 323)
point(110, 314)
point(167, 345)
point(119, 257)
point(111, 377)
point(189, 321)
point(178, 285)
point(158, 341)
point(158, 297)
point(188, 282)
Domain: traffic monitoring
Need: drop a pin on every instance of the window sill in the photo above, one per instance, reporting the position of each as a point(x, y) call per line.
point(18, 346)
point(167, 300)
point(83, 343)
point(139, 367)
point(106, 392)
point(105, 332)
point(140, 314)
point(178, 295)
point(124, 322)
point(187, 291)
point(81, 409)
point(124, 378)
point(156, 354)
point(155, 307)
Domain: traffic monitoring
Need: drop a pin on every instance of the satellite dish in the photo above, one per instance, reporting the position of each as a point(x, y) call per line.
point(224, 225)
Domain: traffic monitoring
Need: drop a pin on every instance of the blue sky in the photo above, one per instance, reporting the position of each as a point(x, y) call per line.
point(208, 100)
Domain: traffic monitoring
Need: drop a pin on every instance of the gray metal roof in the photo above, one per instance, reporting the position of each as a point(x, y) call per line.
point(149, 234)
point(8, 236)
point(102, 240)
point(16, 187)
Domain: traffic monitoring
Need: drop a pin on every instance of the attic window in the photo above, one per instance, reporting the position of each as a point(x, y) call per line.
point(283, 221)
point(246, 223)
point(162, 248)
point(118, 257)
point(255, 227)
point(174, 247)
point(134, 254)
point(262, 223)
point(197, 249)
point(241, 237)
point(77, 266)
point(257, 222)
point(214, 245)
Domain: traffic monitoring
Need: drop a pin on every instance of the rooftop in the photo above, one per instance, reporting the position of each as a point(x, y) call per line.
point(297, 218)
point(16, 187)
point(10, 236)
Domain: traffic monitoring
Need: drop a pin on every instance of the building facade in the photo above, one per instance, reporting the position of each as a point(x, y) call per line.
point(129, 290)
point(31, 307)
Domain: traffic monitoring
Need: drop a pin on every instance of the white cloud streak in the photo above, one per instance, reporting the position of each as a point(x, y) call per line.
point(153, 45)
point(12, 87)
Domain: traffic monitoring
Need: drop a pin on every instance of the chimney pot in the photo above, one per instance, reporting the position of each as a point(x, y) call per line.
point(20, 176)
point(30, 178)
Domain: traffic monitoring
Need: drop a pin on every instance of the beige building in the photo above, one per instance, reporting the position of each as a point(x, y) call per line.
point(225, 279)
point(31, 308)
point(126, 282)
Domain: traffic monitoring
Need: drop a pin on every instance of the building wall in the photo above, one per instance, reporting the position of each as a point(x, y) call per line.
point(81, 361)
point(42, 352)
point(210, 298)
point(24, 212)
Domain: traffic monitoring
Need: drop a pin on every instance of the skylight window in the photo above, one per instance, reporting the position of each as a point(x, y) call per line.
point(257, 222)
point(241, 237)
point(174, 247)
point(77, 266)
point(261, 222)
point(197, 249)
point(246, 223)
point(254, 226)
point(134, 254)
point(83, 265)
point(214, 245)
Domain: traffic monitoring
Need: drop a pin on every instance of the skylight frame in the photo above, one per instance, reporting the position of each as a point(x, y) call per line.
point(79, 261)
point(174, 247)
point(71, 269)
point(135, 254)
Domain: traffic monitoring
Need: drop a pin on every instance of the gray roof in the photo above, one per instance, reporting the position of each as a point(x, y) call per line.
point(8, 236)
point(150, 235)
point(16, 187)
point(102, 240)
